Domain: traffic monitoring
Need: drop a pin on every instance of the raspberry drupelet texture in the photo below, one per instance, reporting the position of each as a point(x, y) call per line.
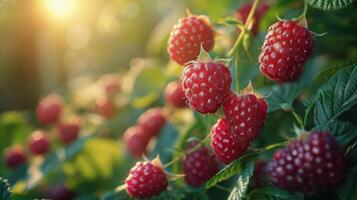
point(187, 37)
point(245, 114)
point(308, 164)
point(14, 156)
point(206, 85)
point(49, 109)
point(146, 180)
point(199, 166)
point(286, 48)
point(175, 95)
point(152, 121)
point(39, 143)
point(224, 144)
point(136, 140)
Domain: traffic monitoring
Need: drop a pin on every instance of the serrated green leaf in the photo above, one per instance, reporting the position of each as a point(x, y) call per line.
point(348, 190)
point(337, 96)
point(242, 183)
point(281, 95)
point(273, 193)
point(5, 190)
point(342, 131)
point(329, 4)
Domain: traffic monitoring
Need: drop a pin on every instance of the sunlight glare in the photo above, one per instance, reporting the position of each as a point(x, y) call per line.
point(59, 8)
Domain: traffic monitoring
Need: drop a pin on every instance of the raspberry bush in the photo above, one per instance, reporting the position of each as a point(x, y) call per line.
point(252, 100)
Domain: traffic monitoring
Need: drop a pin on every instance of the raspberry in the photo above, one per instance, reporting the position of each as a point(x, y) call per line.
point(105, 107)
point(61, 192)
point(223, 143)
point(245, 114)
point(243, 12)
point(146, 179)
point(308, 164)
point(175, 95)
point(199, 166)
point(286, 48)
point(206, 85)
point(136, 140)
point(49, 109)
point(187, 37)
point(39, 143)
point(111, 84)
point(68, 130)
point(152, 121)
point(14, 156)
point(259, 175)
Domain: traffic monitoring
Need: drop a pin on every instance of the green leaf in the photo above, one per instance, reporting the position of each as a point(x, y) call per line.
point(241, 186)
point(280, 96)
point(272, 193)
point(230, 21)
point(114, 195)
point(342, 131)
point(329, 4)
point(5, 190)
point(348, 190)
point(337, 96)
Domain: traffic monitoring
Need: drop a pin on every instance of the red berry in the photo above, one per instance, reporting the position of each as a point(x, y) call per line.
point(246, 115)
point(105, 107)
point(68, 130)
point(187, 37)
point(14, 156)
point(307, 164)
point(152, 121)
point(243, 12)
point(259, 175)
point(146, 179)
point(49, 109)
point(224, 144)
point(286, 48)
point(206, 85)
point(199, 166)
point(111, 84)
point(136, 140)
point(61, 192)
point(39, 143)
point(175, 95)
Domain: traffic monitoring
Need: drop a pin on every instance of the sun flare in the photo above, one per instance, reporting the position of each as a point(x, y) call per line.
point(59, 8)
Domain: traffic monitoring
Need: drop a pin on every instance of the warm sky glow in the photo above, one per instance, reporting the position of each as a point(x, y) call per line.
point(59, 8)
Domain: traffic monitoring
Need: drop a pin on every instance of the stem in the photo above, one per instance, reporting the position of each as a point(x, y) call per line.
point(222, 188)
point(236, 63)
point(178, 158)
point(298, 118)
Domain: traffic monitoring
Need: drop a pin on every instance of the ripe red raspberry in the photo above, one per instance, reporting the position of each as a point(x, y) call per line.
point(286, 48)
point(61, 192)
point(152, 121)
point(14, 156)
point(105, 106)
point(39, 143)
point(187, 37)
point(199, 166)
point(243, 12)
point(206, 85)
point(245, 114)
point(175, 95)
point(136, 140)
point(68, 130)
point(224, 144)
point(146, 179)
point(307, 164)
point(49, 109)
point(111, 84)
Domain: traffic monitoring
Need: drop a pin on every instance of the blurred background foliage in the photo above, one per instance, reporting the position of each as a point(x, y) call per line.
point(63, 46)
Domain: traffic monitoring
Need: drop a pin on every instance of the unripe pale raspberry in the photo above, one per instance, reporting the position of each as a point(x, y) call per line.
point(49, 109)
point(312, 162)
point(199, 166)
point(39, 143)
point(111, 85)
point(106, 107)
point(187, 37)
point(206, 85)
point(146, 179)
